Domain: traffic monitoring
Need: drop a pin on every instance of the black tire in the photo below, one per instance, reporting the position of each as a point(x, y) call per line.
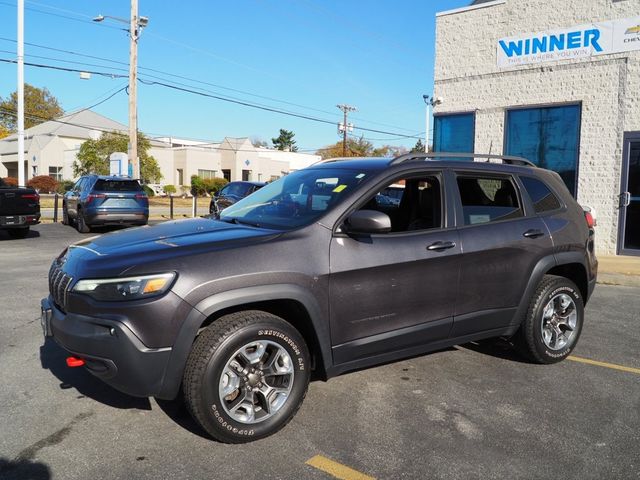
point(81, 225)
point(217, 345)
point(529, 339)
point(18, 232)
point(65, 215)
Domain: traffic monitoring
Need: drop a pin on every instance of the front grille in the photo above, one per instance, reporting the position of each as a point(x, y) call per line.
point(58, 284)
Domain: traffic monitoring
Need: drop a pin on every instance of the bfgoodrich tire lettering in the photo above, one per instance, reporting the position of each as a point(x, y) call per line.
point(213, 357)
point(553, 322)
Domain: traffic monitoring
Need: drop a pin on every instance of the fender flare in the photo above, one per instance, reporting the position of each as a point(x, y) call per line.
point(542, 267)
point(233, 298)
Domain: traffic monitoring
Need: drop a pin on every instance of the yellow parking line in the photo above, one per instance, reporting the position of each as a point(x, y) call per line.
point(605, 364)
point(336, 469)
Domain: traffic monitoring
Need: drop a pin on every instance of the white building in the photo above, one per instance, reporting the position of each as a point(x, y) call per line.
point(51, 148)
point(557, 83)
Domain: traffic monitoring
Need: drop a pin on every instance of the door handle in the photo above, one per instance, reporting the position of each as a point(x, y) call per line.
point(533, 233)
point(625, 199)
point(440, 246)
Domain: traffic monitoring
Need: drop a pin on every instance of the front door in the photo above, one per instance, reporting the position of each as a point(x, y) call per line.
point(395, 290)
point(629, 237)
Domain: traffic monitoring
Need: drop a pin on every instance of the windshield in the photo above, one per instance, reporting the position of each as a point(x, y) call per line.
point(296, 199)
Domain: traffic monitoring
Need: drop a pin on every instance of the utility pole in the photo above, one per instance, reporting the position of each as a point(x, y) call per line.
point(133, 90)
point(20, 127)
point(136, 24)
point(345, 109)
point(427, 101)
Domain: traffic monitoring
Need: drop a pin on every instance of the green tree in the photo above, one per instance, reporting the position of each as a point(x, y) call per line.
point(418, 147)
point(356, 147)
point(93, 156)
point(39, 106)
point(285, 141)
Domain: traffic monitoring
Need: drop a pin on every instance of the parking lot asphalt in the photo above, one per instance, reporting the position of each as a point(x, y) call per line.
point(473, 411)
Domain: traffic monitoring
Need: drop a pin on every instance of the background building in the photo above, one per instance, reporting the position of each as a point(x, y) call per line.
point(557, 83)
point(51, 148)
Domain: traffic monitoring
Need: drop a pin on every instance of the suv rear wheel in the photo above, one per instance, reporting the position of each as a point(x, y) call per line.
point(246, 376)
point(553, 322)
point(81, 225)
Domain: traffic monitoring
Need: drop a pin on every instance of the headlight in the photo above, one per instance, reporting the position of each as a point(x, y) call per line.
point(129, 288)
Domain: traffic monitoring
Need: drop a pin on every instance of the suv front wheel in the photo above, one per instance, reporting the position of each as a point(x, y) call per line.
point(246, 376)
point(553, 321)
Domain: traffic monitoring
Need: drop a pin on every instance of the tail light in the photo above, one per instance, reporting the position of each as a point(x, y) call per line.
point(31, 196)
point(93, 196)
point(141, 196)
point(591, 222)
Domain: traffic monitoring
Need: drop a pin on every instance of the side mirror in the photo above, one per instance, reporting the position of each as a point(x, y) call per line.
point(368, 221)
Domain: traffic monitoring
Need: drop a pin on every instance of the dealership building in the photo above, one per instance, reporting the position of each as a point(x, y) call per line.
point(557, 83)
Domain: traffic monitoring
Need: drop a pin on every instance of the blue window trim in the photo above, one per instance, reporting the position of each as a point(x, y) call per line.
point(456, 114)
point(547, 105)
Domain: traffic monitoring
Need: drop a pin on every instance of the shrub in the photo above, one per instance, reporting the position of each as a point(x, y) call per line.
point(197, 186)
point(64, 186)
point(213, 185)
point(43, 184)
point(148, 190)
point(169, 189)
point(11, 181)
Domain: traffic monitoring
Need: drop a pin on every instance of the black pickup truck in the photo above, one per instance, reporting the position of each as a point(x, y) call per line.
point(19, 209)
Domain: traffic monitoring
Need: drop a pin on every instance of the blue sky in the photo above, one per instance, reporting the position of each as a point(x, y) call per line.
point(374, 54)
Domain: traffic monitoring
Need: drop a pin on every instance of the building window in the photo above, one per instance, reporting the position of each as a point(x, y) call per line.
point(547, 136)
point(226, 174)
point(206, 174)
point(274, 178)
point(454, 132)
point(56, 173)
point(246, 175)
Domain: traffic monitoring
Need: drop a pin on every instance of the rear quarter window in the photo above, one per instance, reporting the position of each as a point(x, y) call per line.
point(117, 186)
point(488, 199)
point(544, 200)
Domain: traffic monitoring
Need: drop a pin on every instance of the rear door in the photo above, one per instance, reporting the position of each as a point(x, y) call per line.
point(73, 197)
point(502, 241)
point(396, 290)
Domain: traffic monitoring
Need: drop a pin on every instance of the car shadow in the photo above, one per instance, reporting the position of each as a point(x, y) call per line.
point(496, 347)
point(177, 411)
point(23, 469)
point(53, 358)
point(4, 236)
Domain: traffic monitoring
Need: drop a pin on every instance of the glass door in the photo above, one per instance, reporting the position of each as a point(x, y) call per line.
point(630, 196)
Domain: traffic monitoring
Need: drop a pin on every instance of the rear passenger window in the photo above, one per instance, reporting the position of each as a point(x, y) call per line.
point(488, 199)
point(542, 197)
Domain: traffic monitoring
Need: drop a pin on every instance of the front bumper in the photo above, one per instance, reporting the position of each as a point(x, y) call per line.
point(111, 351)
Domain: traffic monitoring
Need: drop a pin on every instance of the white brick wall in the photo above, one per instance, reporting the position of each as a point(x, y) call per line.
point(467, 79)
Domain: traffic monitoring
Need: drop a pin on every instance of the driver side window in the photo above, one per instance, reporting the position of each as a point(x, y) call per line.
point(412, 203)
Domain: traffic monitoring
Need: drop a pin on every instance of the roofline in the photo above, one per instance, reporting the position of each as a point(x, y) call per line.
point(469, 8)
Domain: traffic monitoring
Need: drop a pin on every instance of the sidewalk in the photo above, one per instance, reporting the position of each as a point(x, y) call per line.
point(619, 270)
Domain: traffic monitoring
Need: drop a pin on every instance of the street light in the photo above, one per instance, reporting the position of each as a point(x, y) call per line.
point(136, 24)
point(430, 102)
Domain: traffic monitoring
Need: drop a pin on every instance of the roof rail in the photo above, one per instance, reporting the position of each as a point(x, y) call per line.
point(337, 159)
point(509, 160)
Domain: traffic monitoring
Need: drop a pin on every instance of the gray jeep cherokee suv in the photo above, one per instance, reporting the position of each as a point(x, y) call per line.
point(312, 274)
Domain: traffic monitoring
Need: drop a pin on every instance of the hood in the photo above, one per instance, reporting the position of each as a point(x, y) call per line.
point(117, 252)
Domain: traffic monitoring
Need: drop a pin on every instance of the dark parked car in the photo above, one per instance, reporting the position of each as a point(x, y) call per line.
point(101, 200)
point(309, 275)
point(231, 193)
point(19, 209)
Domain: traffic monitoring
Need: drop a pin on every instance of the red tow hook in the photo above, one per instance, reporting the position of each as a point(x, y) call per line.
point(74, 362)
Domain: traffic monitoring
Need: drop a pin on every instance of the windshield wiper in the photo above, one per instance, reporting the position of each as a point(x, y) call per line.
point(237, 221)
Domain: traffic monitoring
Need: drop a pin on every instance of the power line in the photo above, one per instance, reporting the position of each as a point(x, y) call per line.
point(204, 94)
point(104, 130)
